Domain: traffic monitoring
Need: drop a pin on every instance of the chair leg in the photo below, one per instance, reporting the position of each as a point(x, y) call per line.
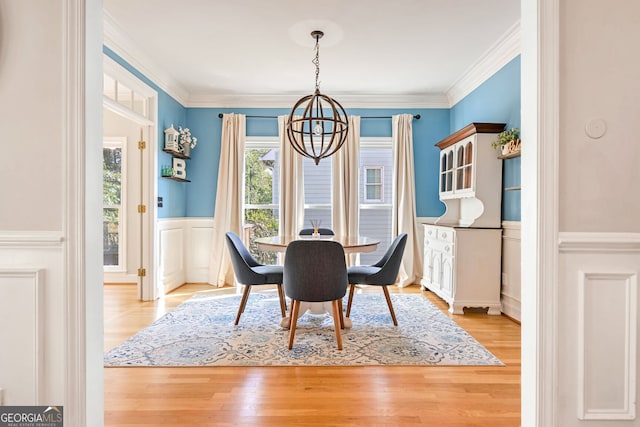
point(336, 322)
point(341, 315)
point(393, 314)
point(243, 302)
point(293, 321)
point(352, 288)
point(283, 304)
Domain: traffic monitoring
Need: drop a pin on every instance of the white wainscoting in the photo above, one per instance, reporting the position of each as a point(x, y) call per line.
point(510, 294)
point(598, 300)
point(185, 251)
point(32, 309)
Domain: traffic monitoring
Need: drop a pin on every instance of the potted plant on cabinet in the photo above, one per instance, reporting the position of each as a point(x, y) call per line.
point(508, 141)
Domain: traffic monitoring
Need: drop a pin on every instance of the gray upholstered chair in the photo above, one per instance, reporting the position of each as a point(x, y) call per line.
point(250, 272)
point(321, 231)
point(315, 271)
point(382, 273)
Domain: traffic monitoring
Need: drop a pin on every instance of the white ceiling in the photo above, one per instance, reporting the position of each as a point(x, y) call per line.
point(242, 52)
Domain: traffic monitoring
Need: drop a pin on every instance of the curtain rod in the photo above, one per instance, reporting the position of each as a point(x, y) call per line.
point(417, 117)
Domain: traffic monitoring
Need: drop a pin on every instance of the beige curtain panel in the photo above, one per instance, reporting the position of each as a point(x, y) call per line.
point(404, 199)
point(291, 184)
point(228, 211)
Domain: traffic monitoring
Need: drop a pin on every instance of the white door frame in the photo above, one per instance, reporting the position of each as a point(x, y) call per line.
point(149, 289)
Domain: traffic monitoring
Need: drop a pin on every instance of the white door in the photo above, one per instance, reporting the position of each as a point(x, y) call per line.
point(130, 109)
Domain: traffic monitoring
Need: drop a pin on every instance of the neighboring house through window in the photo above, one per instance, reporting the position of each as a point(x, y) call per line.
point(373, 184)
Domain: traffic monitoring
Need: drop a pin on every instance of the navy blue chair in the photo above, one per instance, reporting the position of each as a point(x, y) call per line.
point(382, 273)
point(315, 271)
point(321, 231)
point(250, 272)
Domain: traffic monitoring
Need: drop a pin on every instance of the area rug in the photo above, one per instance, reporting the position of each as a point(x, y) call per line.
point(200, 332)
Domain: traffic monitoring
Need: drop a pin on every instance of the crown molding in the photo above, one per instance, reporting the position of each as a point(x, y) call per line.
point(382, 100)
point(500, 54)
point(115, 39)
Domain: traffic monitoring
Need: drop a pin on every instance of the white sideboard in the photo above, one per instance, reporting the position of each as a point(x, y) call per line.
point(462, 266)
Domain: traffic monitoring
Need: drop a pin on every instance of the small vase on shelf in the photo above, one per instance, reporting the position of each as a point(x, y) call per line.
point(186, 148)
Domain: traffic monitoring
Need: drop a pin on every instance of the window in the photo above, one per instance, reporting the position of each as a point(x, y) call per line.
point(261, 193)
point(317, 192)
point(114, 196)
point(373, 184)
point(376, 167)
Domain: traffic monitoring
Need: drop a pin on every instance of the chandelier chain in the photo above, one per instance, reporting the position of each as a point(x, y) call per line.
point(316, 62)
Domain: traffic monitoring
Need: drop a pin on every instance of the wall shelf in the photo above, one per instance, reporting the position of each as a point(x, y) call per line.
point(176, 154)
point(175, 178)
point(510, 155)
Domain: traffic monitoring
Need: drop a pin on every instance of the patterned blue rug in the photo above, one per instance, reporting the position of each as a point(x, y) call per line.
point(200, 332)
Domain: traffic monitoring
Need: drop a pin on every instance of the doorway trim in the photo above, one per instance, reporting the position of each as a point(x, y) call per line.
point(148, 288)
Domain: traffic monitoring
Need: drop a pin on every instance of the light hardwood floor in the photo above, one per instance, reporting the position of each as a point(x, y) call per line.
point(309, 396)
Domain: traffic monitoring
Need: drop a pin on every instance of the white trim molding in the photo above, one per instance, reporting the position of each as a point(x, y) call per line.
point(599, 242)
point(500, 54)
point(9, 238)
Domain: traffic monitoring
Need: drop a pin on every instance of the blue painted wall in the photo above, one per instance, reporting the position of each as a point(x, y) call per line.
point(206, 125)
point(497, 100)
point(170, 112)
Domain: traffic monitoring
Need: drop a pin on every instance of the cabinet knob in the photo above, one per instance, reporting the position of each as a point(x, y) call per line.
point(447, 248)
point(430, 232)
point(444, 235)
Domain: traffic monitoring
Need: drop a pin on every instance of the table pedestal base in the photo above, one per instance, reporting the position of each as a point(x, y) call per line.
point(315, 308)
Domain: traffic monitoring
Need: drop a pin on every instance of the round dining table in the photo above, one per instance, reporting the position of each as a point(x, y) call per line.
point(351, 244)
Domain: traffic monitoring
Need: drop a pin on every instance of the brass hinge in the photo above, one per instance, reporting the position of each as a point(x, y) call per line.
point(142, 272)
point(142, 209)
point(142, 145)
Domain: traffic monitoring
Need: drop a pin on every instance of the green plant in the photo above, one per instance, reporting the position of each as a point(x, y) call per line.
point(506, 137)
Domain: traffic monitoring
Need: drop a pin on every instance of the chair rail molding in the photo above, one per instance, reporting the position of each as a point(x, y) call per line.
point(599, 242)
point(10, 238)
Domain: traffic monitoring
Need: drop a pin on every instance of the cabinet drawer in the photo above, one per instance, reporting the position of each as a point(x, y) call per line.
point(440, 246)
point(446, 234)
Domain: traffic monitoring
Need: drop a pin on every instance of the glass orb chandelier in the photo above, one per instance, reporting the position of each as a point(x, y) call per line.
point(323, 127)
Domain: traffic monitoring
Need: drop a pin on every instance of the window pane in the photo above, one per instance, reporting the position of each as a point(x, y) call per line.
point(260, 223)
point(376, 198)
point(374, 192)
point(373, 176)
point(111, 235)
point(112, 176)
point(109, 87)
point(140, 104)
point(259, 176)
point(124, 96)
point(317, 192)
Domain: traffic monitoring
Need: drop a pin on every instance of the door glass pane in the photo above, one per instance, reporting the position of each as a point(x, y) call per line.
point(112, 201)
point(111, 236)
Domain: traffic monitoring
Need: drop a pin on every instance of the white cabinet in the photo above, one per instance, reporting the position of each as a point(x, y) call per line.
point(471, 177)
point(462, 266)
point(462, 252)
